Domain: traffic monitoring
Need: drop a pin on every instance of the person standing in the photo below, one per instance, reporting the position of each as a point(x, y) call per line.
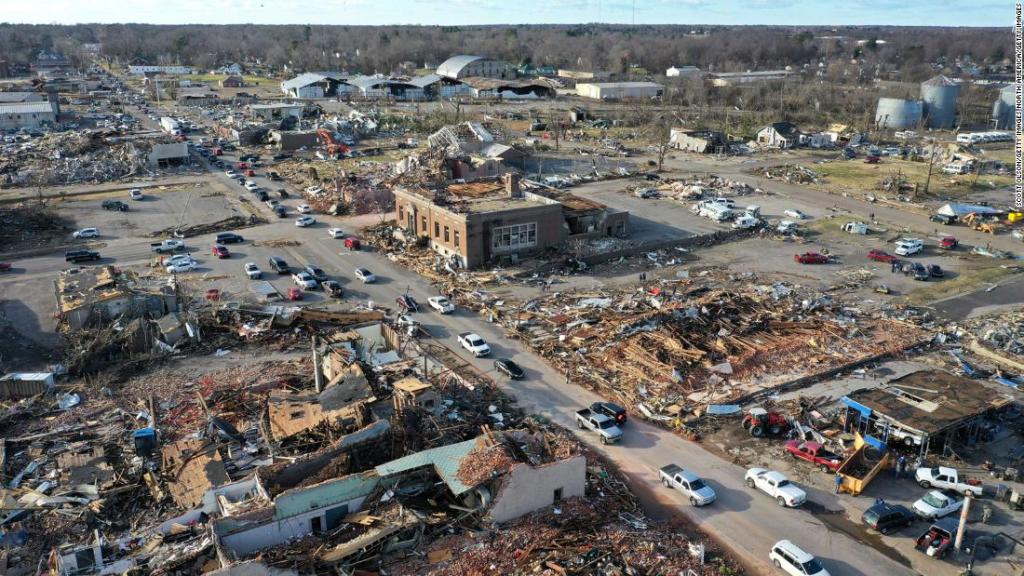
point(901, 465)
point(838, 482)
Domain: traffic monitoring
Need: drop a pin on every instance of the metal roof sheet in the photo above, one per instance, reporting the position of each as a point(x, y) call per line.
point(26, 108)
point(453, 65)
point(446, 461)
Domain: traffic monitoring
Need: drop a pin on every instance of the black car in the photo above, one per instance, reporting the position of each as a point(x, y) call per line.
point(81, 255)
point(229, 238)
point(316, 272)
point(509, 368)
point(282, 192)
point(281, 211)
point(887, 518)
point(282, 156)
point(331, 288)
point(610, 409)
point(935, 271)
point(114, 205)
point(942, 219)
point(918, 271)
point(262, 195)
point(278, 264)
point(274, 176)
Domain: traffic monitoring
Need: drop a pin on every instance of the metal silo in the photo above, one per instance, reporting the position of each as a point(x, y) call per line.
point(1002, 110)
point(939, 95)
point(897, 113)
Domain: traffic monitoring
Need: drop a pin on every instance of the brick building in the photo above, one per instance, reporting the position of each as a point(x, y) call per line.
point(486, 222)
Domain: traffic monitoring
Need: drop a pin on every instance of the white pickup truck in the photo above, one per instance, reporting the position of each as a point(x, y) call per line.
point(691, 485)
point(947, 479)
point(167, 246)
point(605, 426)
point(776, 485)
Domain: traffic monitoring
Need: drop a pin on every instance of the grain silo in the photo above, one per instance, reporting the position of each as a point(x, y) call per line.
point(939, 95)
point(1002, 110)
point(897, 113)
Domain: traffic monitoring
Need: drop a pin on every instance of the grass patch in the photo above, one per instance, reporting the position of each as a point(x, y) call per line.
point(966, 282)
point(858, 175)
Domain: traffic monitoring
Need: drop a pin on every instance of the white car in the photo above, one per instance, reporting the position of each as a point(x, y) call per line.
point(304, 209)
point(474, 344)
point(230, 173)
point(86, 233)
point(178, 259)
point(304, 221)
point(135, 193)
point(250, 185)
point(178, 267)
point(936, 504)
point(795, 214)
point(304, 280)
point(405, 321)
point(252, 271)
point(336, 233)
point(314, 190)
point(441, 304)
point(789, 558)
point(776, 485)
point(365, 275)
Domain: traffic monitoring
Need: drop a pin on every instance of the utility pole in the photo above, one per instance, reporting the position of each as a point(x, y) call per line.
point(963, 523)
point(931, 162)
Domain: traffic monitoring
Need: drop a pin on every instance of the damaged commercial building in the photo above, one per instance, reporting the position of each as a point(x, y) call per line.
point(103, 293)
point(482, 222)
point(472, 152)
point(926, 411)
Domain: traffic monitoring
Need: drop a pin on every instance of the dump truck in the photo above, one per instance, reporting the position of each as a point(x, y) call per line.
point(862, 466)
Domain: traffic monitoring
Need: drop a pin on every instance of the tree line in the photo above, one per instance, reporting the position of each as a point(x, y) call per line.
point(898, 53)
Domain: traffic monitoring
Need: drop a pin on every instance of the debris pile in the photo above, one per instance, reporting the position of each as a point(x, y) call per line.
point(579, 536)
point(1003, 332)
point(71, 158)
point(669, 349)
point(791, 173)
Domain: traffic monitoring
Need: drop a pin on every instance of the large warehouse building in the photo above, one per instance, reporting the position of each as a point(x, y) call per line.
point(463, 66)
point(26, 115)
point(620, 90)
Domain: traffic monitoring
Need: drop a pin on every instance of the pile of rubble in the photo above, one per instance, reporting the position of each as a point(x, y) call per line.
point(791, 173)
point(668, 349)
point(70, 158)
point(579, 536)
point(1003, 332)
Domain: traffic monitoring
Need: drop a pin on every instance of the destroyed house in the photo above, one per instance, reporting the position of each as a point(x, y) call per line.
point(481, 222)
point(699, 141)
point(194, 466)
point(103, 293)
point(293, 413)
point(485, 475)
point(779, 135)
point(924, 411)
point(293, 514)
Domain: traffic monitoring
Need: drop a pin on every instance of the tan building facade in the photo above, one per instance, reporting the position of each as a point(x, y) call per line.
point(475, 231)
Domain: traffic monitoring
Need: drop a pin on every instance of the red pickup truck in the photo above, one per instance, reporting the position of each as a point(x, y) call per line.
point(814, 453)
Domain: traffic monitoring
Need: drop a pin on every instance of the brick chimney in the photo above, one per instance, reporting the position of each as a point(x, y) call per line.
point(512, 185)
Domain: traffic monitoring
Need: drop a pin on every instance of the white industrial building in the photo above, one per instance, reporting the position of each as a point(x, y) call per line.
point(26, 115)
point(620, 90)
point(464, 66)
point(170, 154)
point(682, 71)
point(146, 69)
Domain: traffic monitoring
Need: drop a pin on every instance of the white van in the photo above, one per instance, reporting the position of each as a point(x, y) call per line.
point(793, 561)
point(954, 169)
point(908, 246)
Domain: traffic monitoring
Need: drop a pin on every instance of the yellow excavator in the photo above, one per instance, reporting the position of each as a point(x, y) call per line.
point(977, 222)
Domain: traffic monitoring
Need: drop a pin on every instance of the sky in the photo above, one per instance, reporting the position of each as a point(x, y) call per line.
point(462, 12)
